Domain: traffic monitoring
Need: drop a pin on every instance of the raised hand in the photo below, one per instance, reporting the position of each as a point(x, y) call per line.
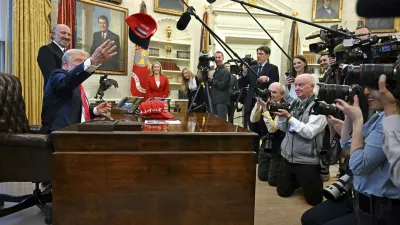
point(103, 53)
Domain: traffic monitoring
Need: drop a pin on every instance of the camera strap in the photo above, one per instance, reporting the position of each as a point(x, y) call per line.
point(332, 155)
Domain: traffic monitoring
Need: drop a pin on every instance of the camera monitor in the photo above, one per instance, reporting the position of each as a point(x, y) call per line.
point(131, 103)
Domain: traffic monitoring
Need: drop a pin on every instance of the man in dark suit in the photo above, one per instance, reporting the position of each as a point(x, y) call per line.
point(49, 56)
point(233, 86)
point(102, 35)
point(266, 74)
point(64, 100)
point(220, 87)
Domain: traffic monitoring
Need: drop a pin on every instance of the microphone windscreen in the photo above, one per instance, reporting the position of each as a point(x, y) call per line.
point(377, 8)
point(211, 1)
point(183, 21)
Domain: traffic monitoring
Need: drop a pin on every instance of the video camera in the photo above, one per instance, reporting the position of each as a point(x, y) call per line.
point(330, 39)
point(204, 61)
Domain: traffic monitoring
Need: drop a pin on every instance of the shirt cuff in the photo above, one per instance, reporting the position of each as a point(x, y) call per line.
point(96, 112)
point(391, 123)
point(88, 67)
point(293, 121)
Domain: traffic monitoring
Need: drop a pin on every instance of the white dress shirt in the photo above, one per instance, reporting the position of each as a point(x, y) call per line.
point(391, 146)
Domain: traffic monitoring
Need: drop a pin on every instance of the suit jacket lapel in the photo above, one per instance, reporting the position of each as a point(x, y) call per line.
point(57, 51)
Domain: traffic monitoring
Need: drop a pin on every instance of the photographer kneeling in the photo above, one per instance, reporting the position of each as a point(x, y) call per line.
point(269, 156)
point(300, 165)
point(373, 190)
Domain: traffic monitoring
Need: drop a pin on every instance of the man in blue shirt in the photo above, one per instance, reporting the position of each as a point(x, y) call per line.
point(375, 194)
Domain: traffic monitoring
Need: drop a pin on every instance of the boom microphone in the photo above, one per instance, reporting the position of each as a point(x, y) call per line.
point(183, 21)
point(313, 36)
point(211, 1)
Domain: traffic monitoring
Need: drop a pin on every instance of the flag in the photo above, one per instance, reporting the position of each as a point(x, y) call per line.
point(66, 15)
point(141, 67)
point(294, 44)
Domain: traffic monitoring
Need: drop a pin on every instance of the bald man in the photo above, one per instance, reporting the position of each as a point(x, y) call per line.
point(269, 157)
point(50, 56)
point(304, 134)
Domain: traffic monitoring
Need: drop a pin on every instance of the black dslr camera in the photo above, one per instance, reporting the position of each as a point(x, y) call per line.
point(322, 108)
point(264, 94)
point(276, 106)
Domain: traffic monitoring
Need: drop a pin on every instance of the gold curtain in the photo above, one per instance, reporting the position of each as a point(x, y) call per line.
point(31, 29)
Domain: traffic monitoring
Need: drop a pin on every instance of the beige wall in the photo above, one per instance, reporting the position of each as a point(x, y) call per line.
point(303, 7)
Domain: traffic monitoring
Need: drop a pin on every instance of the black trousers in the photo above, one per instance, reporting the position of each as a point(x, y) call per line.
point(259, 127)
point(231, 112)
point(308, 177)
point(331, 213)
point(373, 211)
point(268, 165)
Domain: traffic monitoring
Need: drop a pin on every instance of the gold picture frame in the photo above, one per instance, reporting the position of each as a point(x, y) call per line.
point(382, 25)
point(322, 15)
point(171, 7)
point(88, 37)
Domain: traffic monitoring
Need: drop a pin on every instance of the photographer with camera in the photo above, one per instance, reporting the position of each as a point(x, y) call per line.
point(220, 87)
point(303, 139)
point(391, 130)
point(267, 73)
point(269, 156)
point(376, 197)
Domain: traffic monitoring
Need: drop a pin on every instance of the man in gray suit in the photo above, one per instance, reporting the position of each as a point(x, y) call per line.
point(219, 82)
point(100, 37)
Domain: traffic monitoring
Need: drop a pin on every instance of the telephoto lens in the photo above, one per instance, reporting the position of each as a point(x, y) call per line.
point(276, 106)
point(322, 108)
point(330, 92)
point(338, 189)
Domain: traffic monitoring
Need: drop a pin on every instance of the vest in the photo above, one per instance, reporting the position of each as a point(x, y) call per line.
point(296, 149)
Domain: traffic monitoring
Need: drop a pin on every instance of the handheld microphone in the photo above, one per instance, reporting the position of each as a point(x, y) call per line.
point(312, 36)
point(183, 21)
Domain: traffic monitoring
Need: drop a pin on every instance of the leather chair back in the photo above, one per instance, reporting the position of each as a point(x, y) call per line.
point(12, 106)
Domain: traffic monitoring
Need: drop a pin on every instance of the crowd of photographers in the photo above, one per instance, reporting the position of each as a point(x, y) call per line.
point(305, 127)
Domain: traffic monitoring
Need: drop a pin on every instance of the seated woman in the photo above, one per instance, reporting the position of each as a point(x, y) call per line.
point(157, 84)
point(300, 66)
point(190, 84)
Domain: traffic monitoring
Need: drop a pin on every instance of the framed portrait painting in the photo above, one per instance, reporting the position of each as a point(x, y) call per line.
point(382, 25)
point(97, 22)
point(327, 10)
point(171, 7)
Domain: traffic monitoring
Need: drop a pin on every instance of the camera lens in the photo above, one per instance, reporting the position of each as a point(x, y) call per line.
point(330, 92)
point(321, 108)
point(276, 106)
point(263, 94)
point(368, 74)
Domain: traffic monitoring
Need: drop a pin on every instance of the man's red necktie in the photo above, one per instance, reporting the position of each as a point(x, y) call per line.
point(84, 103)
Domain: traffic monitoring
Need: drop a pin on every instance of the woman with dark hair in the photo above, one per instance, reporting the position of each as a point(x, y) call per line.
point(190, 84)
point(299, 67)
point(158, 84)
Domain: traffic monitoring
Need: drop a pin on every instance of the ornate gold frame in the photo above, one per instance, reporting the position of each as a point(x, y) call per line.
point(314, 12)
point(125, 40)
point(168, 11)
point(396, 27)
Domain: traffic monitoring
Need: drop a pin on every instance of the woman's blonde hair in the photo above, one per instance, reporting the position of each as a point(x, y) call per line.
point(184, 82)
point(152, 66)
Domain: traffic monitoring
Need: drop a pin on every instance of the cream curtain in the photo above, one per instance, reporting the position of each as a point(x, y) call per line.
point(31, 29)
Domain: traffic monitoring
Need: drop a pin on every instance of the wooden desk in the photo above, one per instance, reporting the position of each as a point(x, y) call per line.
point(199, 172)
